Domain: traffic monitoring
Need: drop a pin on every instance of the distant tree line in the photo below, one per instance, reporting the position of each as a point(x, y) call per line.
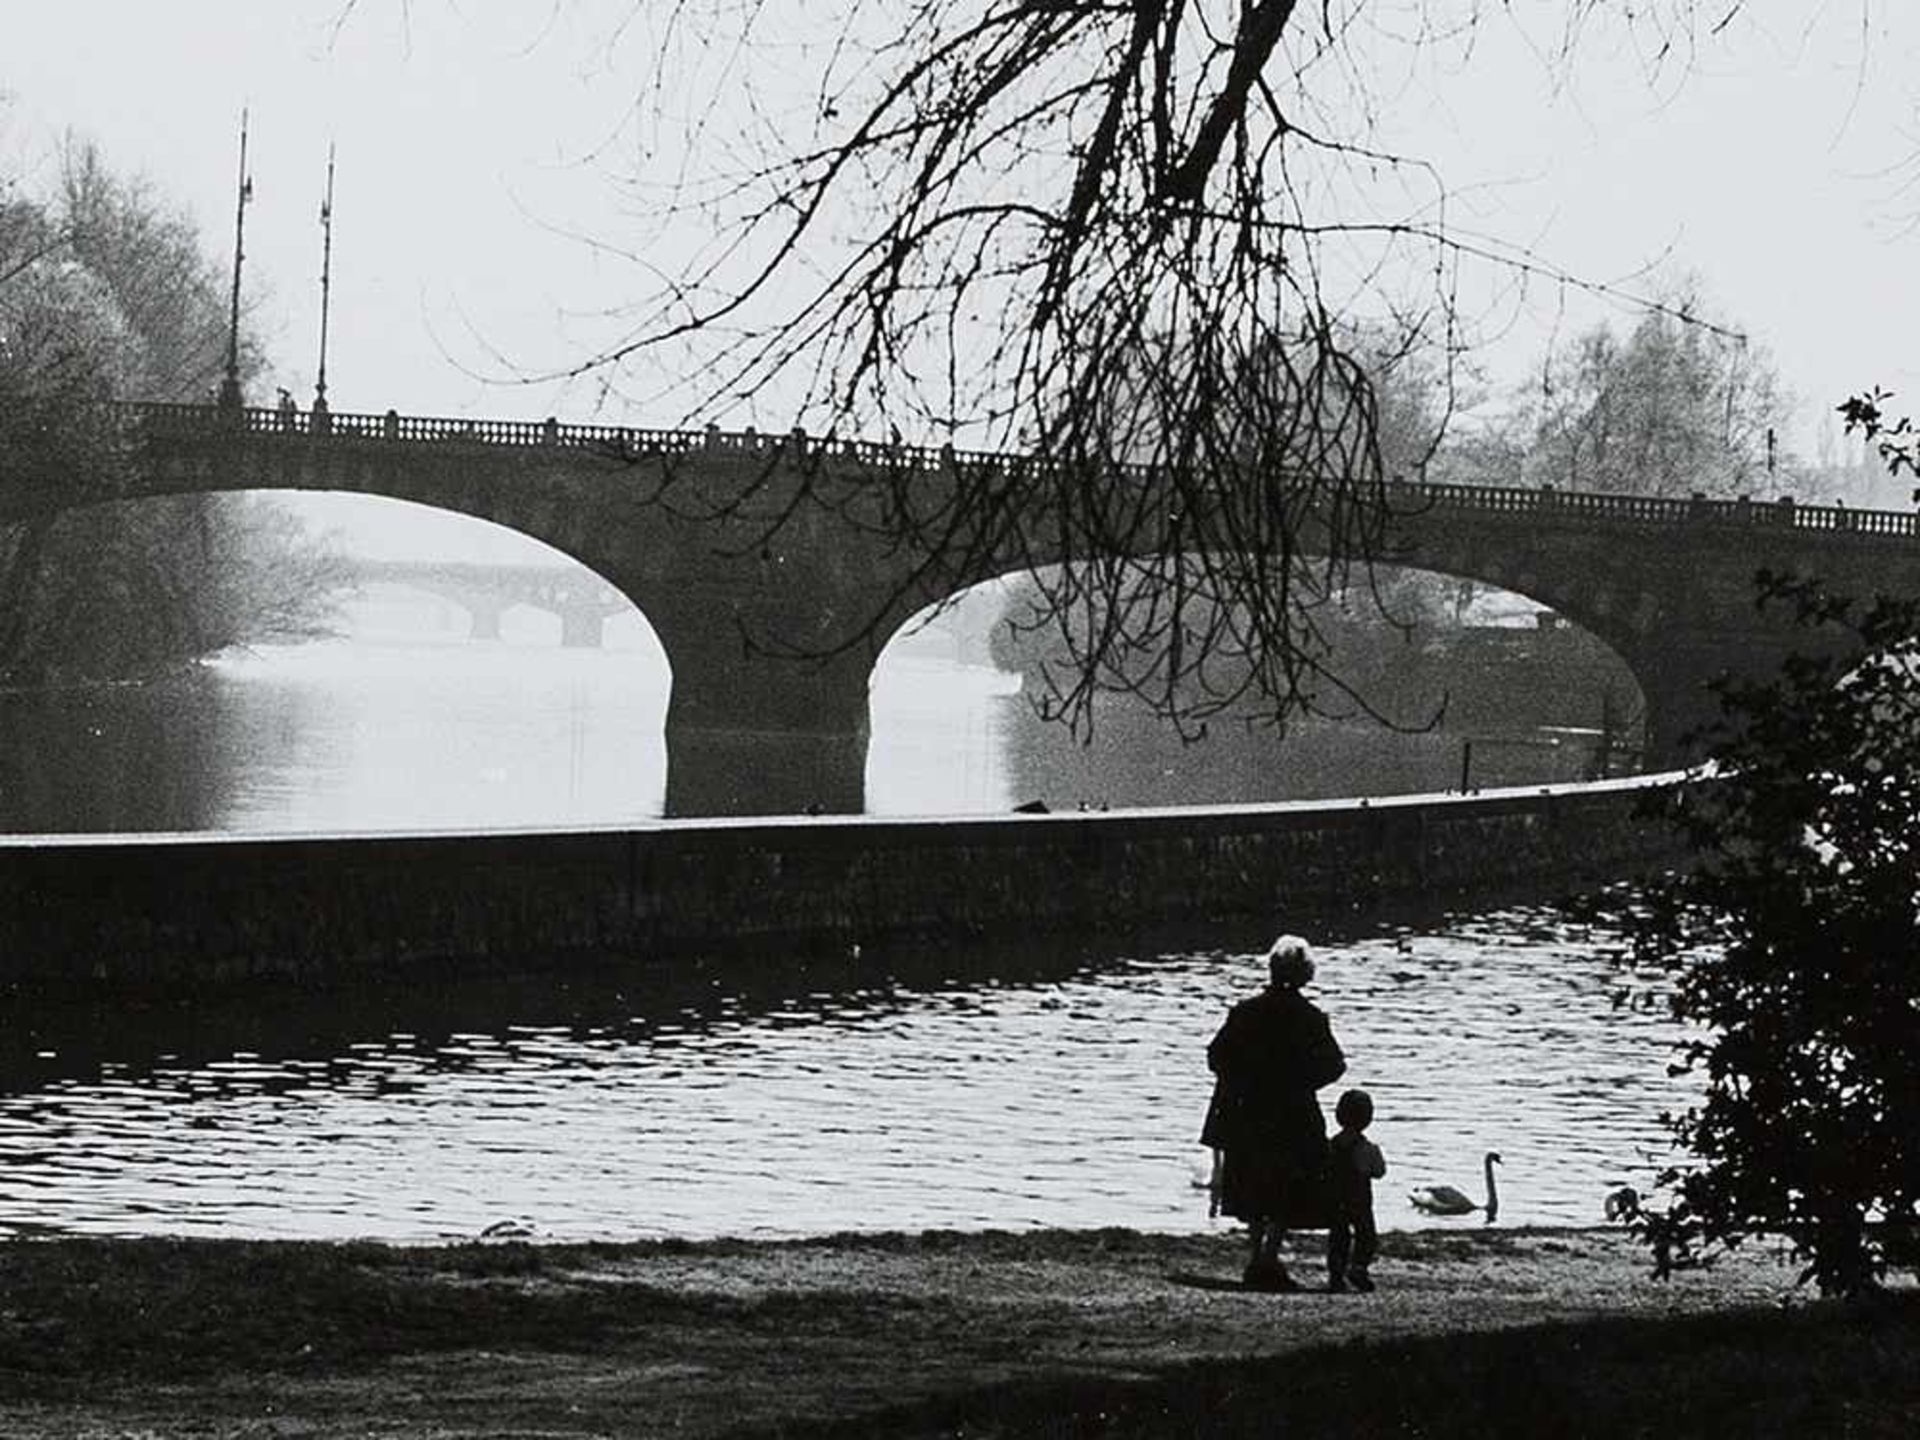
point(1682, 403)
point(105, 294)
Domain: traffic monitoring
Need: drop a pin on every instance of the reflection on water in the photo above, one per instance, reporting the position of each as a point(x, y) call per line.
point(390, 737)
point(420, 733)
point(911, 1091)
point(134, 757)
point(411, 726)
point(343, 736)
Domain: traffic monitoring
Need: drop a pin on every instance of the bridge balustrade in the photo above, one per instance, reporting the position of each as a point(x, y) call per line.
point(182, 421)
point(179, 421)
point(878, 454)
point(1645, 510)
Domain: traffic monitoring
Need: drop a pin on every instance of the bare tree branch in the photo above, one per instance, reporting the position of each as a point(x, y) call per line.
point(1126, 237)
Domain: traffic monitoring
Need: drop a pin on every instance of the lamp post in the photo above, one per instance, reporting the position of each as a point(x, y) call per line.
point(230, 399)
point(321, 421)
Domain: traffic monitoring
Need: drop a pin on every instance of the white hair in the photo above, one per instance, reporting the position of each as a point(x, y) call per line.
point(1290, 961)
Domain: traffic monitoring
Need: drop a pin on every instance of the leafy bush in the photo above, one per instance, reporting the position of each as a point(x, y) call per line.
point(1794, 948)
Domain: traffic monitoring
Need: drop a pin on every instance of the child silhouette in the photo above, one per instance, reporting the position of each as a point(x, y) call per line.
point(1355, 1162)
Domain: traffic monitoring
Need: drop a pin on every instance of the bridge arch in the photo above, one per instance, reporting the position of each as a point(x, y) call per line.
point(936, 702)
point(537, 574)
point(677, 523)
point(1530, 697)
point(1667, 585)
point(515, 569)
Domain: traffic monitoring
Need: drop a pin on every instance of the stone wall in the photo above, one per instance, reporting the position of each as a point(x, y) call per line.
point(135, 913)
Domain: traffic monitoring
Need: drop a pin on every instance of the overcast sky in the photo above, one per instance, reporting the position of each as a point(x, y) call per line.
point(476, 139)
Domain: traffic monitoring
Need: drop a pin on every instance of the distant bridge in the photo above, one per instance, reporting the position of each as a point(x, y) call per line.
point(711, 536)
point(581, 599)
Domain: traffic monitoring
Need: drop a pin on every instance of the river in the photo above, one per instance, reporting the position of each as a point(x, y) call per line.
point(407, 724)
point(1050, 1083)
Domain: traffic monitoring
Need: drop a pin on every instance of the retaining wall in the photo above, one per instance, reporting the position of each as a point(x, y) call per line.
point(173, 912)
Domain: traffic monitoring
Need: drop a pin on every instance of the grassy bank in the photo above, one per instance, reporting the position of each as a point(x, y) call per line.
point(1473, 1333)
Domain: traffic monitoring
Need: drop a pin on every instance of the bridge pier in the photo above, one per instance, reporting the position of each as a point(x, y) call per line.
point(1677, 665)
point(582, 629)
point(485, 619)
point(1680, 704)
point(741, 771)
point(752, 733)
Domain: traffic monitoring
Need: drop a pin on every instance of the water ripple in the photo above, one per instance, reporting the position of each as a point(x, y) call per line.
point(1071, 1102)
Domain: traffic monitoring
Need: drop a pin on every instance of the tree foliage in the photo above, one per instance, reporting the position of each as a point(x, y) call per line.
point(1678, 406)
point(105, 295)
point(1674, 409)
point(1895, 441)
point(1791, 948)
point(64, 344)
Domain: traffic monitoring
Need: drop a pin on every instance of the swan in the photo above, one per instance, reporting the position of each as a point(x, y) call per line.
point(1445, 1200)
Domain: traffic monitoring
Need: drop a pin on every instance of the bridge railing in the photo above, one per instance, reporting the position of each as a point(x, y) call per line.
point(1651, 510)
point(182, 421)
point(176, 421)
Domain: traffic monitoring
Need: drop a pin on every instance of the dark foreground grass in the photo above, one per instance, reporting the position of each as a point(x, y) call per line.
point(176, 1310)
point(1809, 1373)
point(128, 1337)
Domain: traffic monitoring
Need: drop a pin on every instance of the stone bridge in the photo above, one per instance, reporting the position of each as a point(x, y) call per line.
point(707, 534)
point(583, 602)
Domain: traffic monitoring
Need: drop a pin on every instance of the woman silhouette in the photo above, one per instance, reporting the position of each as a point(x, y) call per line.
point(1274, 1051)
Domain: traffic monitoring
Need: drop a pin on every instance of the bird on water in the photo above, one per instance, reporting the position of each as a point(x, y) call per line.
point(1445, 1200)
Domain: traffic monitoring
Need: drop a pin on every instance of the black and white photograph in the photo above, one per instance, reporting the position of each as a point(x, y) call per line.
point(1006, 718)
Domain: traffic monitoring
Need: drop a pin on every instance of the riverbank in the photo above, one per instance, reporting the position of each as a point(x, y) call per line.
point(1473, 1331)
point(116, 915)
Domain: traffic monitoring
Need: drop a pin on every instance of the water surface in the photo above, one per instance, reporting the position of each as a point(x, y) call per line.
point(1035, 1087)
point(1028, 1084)
point(409, 724)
